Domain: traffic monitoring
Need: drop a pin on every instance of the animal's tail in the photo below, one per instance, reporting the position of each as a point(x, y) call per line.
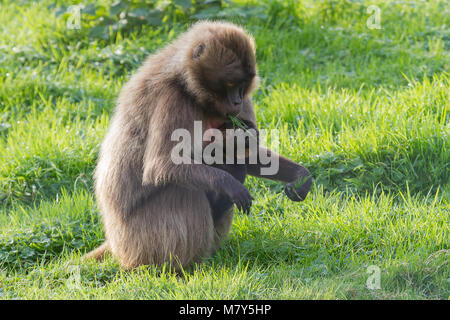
point(98, 253)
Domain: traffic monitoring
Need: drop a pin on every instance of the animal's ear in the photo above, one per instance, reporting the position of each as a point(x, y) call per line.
point(198, 51)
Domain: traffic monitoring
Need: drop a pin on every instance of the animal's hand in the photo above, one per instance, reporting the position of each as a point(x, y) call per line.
point(298, 190)
point(240, 196)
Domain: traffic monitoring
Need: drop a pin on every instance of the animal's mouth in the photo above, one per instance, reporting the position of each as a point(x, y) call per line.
point(216, 124)
point(208, 134)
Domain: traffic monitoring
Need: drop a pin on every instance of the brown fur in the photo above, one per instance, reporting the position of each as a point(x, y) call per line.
point(153, 210)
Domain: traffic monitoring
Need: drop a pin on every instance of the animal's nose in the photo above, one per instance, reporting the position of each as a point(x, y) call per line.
point(237, 101)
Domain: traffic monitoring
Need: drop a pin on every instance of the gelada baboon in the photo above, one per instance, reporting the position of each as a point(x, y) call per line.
point(155, 211)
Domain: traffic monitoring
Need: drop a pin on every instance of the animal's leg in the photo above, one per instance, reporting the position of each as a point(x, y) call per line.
point(174, 226)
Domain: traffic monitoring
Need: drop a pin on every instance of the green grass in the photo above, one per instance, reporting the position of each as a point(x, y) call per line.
point(366, 110)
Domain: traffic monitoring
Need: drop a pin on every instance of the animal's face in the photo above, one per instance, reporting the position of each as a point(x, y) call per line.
point(225, 69)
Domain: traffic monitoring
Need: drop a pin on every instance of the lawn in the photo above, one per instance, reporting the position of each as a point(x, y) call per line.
point(365, 107)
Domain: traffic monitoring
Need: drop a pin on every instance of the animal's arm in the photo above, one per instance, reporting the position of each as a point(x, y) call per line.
point(203, 177)
point(159, 168)
point(297, 177)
